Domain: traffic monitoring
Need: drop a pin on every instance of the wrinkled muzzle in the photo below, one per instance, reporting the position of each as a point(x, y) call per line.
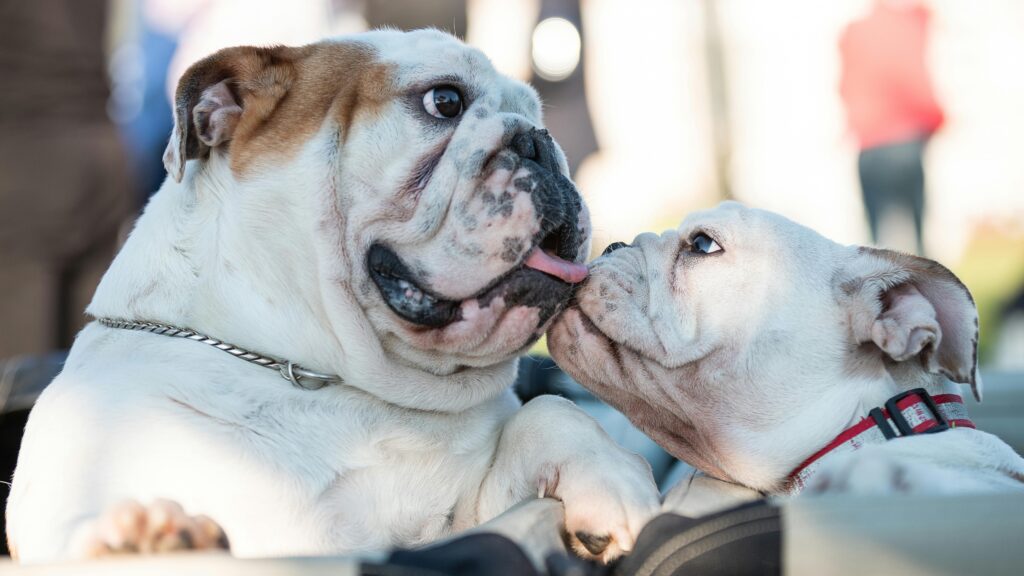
point(525, 219)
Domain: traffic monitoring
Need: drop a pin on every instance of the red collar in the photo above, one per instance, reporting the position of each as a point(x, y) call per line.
point(906, 414)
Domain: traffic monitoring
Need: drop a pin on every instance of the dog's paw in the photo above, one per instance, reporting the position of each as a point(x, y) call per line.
point(608, 499)
point(133, 528)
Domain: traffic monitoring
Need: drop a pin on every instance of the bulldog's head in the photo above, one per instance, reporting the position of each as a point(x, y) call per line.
point(743, 342)
point(384, 206)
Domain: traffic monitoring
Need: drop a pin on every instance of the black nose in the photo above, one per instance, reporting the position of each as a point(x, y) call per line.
point(537, 145)
point(556, 201)
point(613, 247)
point(523, 145)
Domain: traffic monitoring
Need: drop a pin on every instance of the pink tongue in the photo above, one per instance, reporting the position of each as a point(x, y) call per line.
point(568, 271)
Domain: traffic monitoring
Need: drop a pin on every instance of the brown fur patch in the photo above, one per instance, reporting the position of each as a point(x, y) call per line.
point(286, 94)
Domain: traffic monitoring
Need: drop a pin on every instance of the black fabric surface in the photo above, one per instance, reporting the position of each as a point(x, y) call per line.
point(746, 540)
point(476, 554)
point(737, 542)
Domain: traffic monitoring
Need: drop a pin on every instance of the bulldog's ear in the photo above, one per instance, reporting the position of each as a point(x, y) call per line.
point(214, 94)
point(911, 307)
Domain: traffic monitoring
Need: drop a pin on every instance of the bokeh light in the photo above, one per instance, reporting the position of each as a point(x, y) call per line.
point(556, 49)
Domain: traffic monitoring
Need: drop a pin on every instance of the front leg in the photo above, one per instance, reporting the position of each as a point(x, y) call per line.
point(552, 448)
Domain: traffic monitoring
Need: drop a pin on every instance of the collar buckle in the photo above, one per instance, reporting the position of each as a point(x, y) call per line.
point(904, 427)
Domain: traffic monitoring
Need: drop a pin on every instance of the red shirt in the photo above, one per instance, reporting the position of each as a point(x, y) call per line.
point(885, 84)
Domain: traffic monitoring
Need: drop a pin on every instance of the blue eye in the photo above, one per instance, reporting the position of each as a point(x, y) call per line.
point(704, 244)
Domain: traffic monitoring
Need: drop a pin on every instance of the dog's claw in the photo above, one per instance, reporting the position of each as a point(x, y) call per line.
point(594, 544)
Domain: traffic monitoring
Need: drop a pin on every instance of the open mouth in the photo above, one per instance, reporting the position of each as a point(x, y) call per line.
point(544, 280)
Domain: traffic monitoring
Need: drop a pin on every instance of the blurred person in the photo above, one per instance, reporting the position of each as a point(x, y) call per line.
point(892, 112)
point(142, 53)
point(64, 191)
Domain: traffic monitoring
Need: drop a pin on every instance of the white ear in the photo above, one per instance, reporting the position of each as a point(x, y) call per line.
point(908, 326)
point(912, 307)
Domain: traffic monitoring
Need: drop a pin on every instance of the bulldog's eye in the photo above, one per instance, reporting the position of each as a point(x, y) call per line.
point(704, 244)
point(443, 102)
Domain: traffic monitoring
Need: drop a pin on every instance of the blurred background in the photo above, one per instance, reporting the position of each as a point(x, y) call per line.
point(893, 122)
point(662, 106)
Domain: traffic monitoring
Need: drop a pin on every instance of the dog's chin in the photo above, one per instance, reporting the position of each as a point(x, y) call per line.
point(593, 352)
point(580, 347)
point(621, 376)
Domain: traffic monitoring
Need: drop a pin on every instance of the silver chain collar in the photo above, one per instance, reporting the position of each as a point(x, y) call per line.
point(288, 370)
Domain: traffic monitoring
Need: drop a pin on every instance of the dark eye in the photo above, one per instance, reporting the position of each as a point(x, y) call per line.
point(703, 244)
point(443, 102)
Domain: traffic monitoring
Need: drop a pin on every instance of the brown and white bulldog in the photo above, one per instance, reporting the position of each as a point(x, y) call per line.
point(769, 356)
point(383, 224)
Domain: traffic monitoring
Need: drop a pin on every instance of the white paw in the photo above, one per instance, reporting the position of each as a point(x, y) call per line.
point(132, 528)
point(609, 496)
point(873, 472)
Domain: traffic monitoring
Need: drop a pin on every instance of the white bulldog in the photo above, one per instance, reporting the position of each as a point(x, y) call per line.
point(382, 217)
point(766, 355)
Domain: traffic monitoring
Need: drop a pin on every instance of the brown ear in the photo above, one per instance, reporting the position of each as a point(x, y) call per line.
point(912, 307)
point(214, 94)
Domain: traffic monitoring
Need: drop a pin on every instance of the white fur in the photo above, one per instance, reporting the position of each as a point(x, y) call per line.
point(747, 361)
point(425, 438)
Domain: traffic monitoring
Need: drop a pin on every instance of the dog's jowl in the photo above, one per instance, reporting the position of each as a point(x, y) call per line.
point(378, 225)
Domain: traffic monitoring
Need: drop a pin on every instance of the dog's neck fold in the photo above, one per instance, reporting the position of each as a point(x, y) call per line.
point(201, 258)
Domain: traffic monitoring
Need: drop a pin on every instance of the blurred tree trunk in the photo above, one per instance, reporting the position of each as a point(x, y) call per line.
point(718, 96)
point(448, 15)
